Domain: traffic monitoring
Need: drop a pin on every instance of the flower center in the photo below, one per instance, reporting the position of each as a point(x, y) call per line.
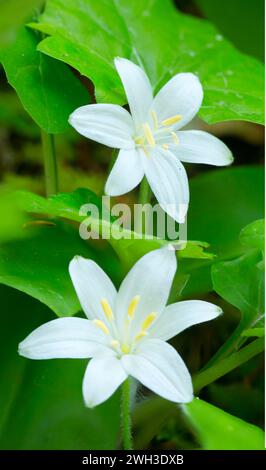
point(157, 133)
point(124, 341)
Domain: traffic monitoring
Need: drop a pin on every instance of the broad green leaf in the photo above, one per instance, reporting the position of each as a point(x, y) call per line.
point(88, 35)
point(222, 202)
point(12, 16)
point(218, 430)
point(48, 90)
point(11, 216)
point(253, 235)
point(129, 246)
point(241, 283)
point(41, 401)
point(38, 264)
point(249, 34)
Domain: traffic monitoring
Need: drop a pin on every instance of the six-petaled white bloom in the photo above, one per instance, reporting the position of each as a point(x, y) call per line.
point(149, 138)
point(126, 331)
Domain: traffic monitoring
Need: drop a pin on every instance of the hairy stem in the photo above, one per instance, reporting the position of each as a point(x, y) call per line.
point(50, 164)
point(126, 422)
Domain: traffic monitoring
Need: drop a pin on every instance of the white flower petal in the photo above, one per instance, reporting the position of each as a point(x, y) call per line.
point(182, 95)
point(151, 279)
point(65, 338)
point(168, 181)
point(108, 124)
point(159, 367)
point(126, 173)
point(201, 147)
point(181, 315)
point(91, 285)
point(137, 88)
point(102, 377)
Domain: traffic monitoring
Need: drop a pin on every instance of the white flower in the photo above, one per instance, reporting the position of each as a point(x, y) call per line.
point(126, 331)
point(149, 139)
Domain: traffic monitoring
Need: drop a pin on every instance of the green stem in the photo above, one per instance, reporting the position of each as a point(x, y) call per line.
point(126, 416)
point(50, 164)
point(144, 198)
point(226, 365)
point(145, 192)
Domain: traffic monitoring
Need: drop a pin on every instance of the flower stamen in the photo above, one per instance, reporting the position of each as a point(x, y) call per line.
point(171, 120)
point(148, 321)
point(125, 348)
point(145, 325)
point(155, 119)
point(175, 138)
point(148, 134)
point(107, 309)
point(102, 326)
point(140, 335)
point(165, 146)
point(133, 305)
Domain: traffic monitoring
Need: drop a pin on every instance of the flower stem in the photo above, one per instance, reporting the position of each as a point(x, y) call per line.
point(144, 198)
point(213, 373)
point(50, 164)
point(145, 192)
point(125, 416)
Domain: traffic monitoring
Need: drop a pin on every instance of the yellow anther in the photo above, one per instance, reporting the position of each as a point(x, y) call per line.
point(133, 305)
point(107, 309)
point(139, 140)
point(175, 138)
point(165, 146)
point(125, 348)
point(148, 321)
point(115, 344)
point(148, 134)
point(155, 119)
point(140, 335)
point(102, 326)
point(171, 120)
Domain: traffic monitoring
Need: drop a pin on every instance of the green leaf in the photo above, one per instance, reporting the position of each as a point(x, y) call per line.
point(38, 264)
point(12, 16)
point(88, 35)
point(41, 401)
point(218, 430)
point(128, 245)
point(249, 34)
point(12, 218)
point(241, 283)
point(251, 332)
point(48, 90)
point(253, 235)
point(222, 202)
